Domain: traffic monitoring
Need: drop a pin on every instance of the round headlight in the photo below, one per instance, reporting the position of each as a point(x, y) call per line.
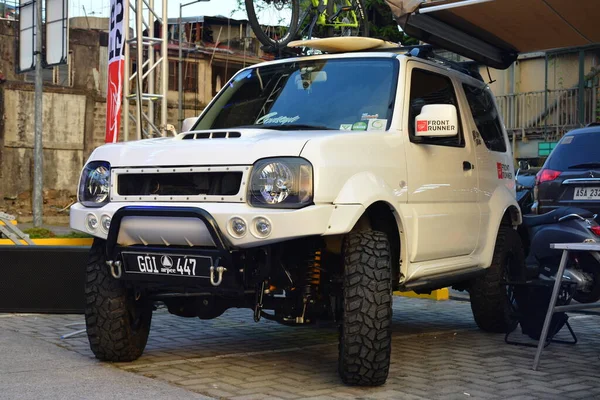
point(275, 181)
point(262, 227)
point(97, 186)
point(91, 222)
point(94, 188)
point(237, 227)
point(105, 223)
point(281, 182)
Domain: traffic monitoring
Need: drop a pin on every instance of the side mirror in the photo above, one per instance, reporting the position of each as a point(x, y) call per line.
point(437, 120)
point(188, 123)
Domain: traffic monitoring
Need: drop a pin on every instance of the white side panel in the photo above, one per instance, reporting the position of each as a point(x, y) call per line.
point(442, 195)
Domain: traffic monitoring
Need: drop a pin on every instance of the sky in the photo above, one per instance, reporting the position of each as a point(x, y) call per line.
point(212, 7)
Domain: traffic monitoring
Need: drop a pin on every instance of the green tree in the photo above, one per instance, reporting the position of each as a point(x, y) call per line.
point(382, 24)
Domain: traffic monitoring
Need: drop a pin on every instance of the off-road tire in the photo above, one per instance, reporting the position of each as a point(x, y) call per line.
point(490, 301)
point(117, 324)
point(365, 332)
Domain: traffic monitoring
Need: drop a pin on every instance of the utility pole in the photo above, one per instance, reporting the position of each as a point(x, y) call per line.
point(38, 153)
point(180, 64)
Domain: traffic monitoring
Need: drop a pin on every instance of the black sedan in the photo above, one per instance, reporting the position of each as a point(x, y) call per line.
point(571, 174)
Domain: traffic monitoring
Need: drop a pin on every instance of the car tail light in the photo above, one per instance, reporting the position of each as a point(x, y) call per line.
point(595, 230)
point(546, 175)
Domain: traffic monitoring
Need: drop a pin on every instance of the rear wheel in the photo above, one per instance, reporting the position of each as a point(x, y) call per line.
point(355, 12)
point(492, 301)
point(117, 321)
point(274, 22)
point(365, 334)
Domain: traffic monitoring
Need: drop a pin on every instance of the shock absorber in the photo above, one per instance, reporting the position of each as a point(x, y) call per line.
point(313, 274)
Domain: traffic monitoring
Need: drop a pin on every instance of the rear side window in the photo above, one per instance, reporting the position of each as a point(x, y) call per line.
point(580, 151)
point(431, 88)
point(486, 117)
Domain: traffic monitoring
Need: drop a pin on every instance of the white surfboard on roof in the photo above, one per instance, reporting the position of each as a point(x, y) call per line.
point(344, 43)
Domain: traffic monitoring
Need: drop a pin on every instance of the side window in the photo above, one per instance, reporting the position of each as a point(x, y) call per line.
point(430, 88)
point(486, 117)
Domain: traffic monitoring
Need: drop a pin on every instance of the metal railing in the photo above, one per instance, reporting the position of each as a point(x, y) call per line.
point(554, 111)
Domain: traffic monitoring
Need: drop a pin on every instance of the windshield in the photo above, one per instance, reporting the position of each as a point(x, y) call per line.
point(346, 94)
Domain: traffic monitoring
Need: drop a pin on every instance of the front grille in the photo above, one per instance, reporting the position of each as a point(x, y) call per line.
point(180, 184)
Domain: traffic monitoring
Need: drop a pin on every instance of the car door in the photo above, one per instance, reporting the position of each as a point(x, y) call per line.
point(442, 174)
point(492, 148)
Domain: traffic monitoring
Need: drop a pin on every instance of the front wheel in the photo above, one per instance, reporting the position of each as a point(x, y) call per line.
point(117, 321)
point(365, 332)
point(346, 13)
point(274, 22)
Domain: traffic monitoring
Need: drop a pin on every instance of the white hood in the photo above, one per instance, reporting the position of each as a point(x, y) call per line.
point(251, 146)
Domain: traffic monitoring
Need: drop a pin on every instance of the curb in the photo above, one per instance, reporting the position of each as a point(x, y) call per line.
point(54, 242)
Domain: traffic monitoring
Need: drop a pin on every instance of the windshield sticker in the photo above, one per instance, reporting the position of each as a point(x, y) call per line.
point(359, 126)
point(272, 118)
point(377, 125)
point(369, 116)
point(345, 127)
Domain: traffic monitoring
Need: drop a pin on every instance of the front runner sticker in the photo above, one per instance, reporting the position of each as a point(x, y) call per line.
point(345, 127)
point(359, 126)
point(504, 171)
point(435, 125)
point(377, 125)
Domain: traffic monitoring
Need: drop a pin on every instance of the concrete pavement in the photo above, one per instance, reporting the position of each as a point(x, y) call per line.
point(31, 368)
point(438, 353)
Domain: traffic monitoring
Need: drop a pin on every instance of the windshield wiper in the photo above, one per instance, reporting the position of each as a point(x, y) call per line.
point(288, 127)
point(586, 165)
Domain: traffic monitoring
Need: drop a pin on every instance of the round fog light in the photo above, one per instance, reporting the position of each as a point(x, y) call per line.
point(262, 227)
point(237, 227)
point(105, 222)
point(92, 222)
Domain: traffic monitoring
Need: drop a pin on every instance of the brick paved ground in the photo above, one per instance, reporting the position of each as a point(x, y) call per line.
point(438, 353)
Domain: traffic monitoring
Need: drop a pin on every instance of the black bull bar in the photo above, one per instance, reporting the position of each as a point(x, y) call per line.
point(221, 255)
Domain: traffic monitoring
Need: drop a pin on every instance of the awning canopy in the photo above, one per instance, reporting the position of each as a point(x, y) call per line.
point(495, 32)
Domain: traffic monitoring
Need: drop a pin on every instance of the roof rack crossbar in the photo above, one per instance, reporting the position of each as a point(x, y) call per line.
point(427, 52)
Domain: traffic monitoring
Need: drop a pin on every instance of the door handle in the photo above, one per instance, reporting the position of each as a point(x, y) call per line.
point(467, 166)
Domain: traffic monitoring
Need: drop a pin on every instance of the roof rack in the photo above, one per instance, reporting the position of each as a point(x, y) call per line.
point(427, 52)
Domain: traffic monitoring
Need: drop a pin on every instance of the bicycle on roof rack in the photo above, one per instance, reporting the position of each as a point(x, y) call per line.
point(277, 22)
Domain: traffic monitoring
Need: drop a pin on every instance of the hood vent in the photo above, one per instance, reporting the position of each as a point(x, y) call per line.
point(212, 135)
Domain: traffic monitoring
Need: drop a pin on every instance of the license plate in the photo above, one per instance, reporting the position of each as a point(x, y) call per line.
point(586, 193)
point(167, 264)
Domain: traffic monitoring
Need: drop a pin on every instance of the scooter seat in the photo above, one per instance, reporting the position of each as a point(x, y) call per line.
point(553, 216)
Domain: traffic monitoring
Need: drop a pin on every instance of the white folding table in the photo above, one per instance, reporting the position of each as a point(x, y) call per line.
point(552, 307)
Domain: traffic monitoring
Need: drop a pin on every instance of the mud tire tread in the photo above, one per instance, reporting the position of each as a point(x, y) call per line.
point(365, 333)
point(107, 318)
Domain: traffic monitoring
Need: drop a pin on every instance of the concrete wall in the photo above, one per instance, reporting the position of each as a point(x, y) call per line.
point(73, 117)
point(529, 73)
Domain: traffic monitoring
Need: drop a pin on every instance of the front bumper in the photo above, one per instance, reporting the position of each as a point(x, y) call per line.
point(285, 224)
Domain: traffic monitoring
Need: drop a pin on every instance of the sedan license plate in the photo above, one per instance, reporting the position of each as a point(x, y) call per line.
point(167, 264)
point(586, 193)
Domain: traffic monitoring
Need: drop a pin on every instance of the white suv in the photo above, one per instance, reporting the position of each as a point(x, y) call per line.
point(309, 188)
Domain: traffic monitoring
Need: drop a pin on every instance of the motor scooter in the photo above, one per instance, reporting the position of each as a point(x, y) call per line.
point(562, 225)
